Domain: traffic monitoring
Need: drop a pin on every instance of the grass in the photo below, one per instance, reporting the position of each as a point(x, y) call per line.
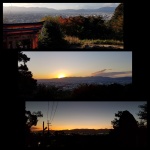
point(73, 40)
point(77, 41)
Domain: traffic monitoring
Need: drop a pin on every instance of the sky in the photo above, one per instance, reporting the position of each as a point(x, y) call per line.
point(64, 5)
point(80, 115)
point(47, 65)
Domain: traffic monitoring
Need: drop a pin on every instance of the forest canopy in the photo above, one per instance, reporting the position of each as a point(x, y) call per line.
point(57, 29)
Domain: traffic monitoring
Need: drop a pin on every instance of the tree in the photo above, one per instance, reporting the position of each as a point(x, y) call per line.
point(115, 122)
point(26, 84)
point(125, 128)
point(84, 27)
point(143, 115)
point(51, 35)
point(116, 22)
point(31, 119)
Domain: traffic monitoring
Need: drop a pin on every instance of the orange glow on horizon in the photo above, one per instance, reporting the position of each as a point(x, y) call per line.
point(61, 75)
point(50, 76)
point(34, 128)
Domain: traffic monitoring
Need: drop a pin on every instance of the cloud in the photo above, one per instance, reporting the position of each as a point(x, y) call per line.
point(112, 74)
point(99, 72)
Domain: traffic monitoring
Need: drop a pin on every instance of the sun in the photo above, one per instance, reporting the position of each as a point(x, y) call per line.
point(61, 76)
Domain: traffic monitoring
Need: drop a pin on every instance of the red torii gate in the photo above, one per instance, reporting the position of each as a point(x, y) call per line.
point(25, 33)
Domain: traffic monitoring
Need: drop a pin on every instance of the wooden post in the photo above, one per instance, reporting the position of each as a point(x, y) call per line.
point(43, 127)
point(48, 126)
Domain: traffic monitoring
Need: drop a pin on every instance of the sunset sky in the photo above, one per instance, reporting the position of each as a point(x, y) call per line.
point(64, 5)
point(73, 115)
point(47, 65)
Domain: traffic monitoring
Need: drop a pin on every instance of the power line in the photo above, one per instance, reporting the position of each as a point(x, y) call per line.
point(54, 111)
point(51, 111)
point(52, 114)
point(48, 110)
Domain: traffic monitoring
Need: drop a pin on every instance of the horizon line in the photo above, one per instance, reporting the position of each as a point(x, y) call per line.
point(78, 77)
point(60, 9)
point(72, 129)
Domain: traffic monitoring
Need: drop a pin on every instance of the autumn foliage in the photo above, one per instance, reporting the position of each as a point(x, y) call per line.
point(91, 27)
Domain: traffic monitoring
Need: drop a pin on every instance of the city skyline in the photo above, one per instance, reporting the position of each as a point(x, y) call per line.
point(48, 65)
point(80, 115)
point(63, 5)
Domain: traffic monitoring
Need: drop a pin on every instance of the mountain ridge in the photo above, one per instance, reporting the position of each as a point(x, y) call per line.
point(45, 9)
point(86, 80)
point(88, 77)
point(80, 130)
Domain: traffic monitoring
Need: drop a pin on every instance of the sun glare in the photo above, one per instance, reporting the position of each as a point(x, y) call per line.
point(61, 76)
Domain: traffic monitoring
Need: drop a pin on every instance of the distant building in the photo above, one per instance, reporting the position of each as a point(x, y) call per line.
point(21, 35)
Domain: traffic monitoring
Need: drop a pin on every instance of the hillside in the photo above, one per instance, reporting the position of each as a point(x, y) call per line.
point(93, 79)
point(80, 131)
point(15, 9)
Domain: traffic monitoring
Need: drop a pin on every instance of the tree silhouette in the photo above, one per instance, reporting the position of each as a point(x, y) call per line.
point(125, 129)
point(143, 115)
point(31, 119)
point(26, 84)
point(128, 129)
point(115, 122)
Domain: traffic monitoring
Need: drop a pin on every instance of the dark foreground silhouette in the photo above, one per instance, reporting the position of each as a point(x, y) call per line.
point(85, 141)
point(126, 134)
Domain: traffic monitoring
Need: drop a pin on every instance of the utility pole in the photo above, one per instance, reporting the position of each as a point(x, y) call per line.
point(44, 128)
point(48, 124)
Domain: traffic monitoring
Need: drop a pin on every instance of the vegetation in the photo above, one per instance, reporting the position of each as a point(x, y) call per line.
point(80, 30)
point(125, 134)
point(31, 119)
point(26, 84)
point(115, 122)
point(85, 91)
point(143, 115)
point(51, 34)
point(28, 88)
point(77, 41)
point(125, 129)
point(116, 22)
point(82, 27)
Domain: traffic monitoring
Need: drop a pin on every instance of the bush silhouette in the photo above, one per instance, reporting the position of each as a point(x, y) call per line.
point(127, 130)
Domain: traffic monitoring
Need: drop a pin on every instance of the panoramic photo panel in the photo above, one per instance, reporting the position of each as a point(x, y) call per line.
point(75, 75)
point(85, 124)
point(63, 25)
